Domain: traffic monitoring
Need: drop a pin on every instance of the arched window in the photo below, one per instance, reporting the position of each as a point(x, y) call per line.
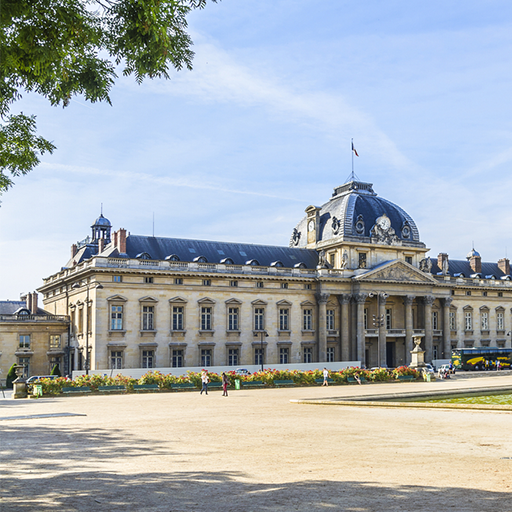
point(172, 257)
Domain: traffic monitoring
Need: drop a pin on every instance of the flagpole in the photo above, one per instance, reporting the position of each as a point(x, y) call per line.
point(352, 151)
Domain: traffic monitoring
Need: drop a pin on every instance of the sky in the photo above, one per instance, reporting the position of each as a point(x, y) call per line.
point(260, 129)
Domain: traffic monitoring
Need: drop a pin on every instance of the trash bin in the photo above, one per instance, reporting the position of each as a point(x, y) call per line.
point(37, 390)
point(237, 383)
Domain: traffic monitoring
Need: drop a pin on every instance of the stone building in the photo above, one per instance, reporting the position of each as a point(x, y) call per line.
point(31, 336)
point(354, 284)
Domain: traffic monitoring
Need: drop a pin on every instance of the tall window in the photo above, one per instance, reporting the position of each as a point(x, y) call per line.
point(116, 318)
point(284, 355)
point(233, 357)
point(389, 319)
point(177, 358)
point(177, 318)
point(365, 318)
point(233, 315)
point(24, 340)
point(308, 355)
point(453, 321)
point(258, 356)
point(307, 319)
point(80, 320)
point(484, 316)
point(435, 320)
point(330, 354)
point(116, 360)
point(148, 358)
point(55, 341)
point(468, 321)
point(147, 318)
point(117, 279)
point(500, 325)
point(206, 357)
point(330, 320)
point(284, 319)
point(25, 361)
point(259, 317)
point(206, 318)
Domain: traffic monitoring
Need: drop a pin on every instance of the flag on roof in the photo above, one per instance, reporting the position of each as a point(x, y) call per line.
point(354, 149)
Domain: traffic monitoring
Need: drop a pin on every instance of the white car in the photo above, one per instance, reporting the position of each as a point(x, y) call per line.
point(242, 371)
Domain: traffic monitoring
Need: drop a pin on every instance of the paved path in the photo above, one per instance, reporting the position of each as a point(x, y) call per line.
point(253, 451)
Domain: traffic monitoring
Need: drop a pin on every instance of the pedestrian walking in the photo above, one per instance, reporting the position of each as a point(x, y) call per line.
point(326, 376)
point(225, 383)
point(204, 379)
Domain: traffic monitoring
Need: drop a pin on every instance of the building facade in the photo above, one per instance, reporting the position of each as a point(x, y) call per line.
point(354, 284)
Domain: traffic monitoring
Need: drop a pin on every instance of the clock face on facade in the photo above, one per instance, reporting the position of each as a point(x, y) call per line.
point(384, 222)
point(311, 225)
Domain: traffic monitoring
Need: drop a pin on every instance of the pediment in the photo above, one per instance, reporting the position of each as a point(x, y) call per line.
point(399, 271)
point(117, 298)
point(148, 298)
point(177, 299)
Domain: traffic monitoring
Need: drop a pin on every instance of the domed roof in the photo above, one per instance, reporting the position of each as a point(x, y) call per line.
point(472, 253)
point(352, 214)
point(102, 221)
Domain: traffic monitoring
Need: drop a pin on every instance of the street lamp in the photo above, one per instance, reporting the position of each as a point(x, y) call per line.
point(98, 286)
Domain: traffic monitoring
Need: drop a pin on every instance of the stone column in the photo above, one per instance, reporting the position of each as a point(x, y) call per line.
point(360, 299)
point(447, 345)
point(428, 300)
point(409, 328)
point(344, 300)
point(322, 299)
point(382, 297)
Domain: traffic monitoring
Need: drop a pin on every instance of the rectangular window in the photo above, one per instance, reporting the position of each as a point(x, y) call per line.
point(177, 318)
point(233, 284)
point(148, 358)
point(207, 282)
point(500, 294)
point(468, 292)
point(148, 280)
point(330, 354)
point(332, 259)
point(233, 315)
point(178, 280)
point(147, 318)
point(284, 355)
point(25, 361)
point(500, 325)
point(362, 260)
point(484, 315)
point(259, 319)
point(284, 286)
point(307, 319)
point(177, 359)
point(308, 355)
point(116, 318)
point(55, 341)
point(117, 279)
point(258, 356)
point(206, 357)
point(24, 340)
point(284, 319)
point(453, 322)
point(435, 351)
point(233, 357)
point(206, 319)
point(116, 360)
point(259, 284)
point(408, 259)
point(484, 294)
point(330, 320)
point(435, 320)
point(468, 321)
point(80, 320)
point(365, 318)
point(389, 319)
point(307, 287)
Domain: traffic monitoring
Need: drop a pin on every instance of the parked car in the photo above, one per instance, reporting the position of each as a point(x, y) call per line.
point(32, 379)
point(429, 368)
point(242, 371)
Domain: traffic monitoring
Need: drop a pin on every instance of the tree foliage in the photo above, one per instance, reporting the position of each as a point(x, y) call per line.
point(62, 48)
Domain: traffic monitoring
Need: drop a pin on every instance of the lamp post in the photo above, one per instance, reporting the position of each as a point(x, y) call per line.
point(98, 286)
point(264, 334)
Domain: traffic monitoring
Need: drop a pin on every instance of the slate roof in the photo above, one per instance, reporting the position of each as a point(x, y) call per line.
point(462, 266)
point(158, 248)
point(9, 307)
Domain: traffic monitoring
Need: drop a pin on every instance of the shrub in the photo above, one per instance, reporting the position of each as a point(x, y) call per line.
point(11, 376)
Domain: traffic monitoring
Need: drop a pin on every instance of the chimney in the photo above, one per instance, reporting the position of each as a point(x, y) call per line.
point(28, 301)
point(442, 262)
point(101, 245)
point(504, 266)
point(475, 262)
point(33, 309)
point(74, 250)
point(121, 241)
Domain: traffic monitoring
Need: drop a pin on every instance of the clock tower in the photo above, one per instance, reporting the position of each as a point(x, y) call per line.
point(313, 224)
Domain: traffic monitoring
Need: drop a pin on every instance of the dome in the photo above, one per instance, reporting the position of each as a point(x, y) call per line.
point(356, 213)
point(472, 254)
point(102, 221)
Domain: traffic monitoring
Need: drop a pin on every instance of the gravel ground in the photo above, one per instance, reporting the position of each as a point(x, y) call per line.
point(253, 451)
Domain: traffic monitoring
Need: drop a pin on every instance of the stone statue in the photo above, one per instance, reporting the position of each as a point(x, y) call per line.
point(295, 238)
point(426, 265)
point(322, 260)
point(344, 261)
point(336, 225)
point(445, 267)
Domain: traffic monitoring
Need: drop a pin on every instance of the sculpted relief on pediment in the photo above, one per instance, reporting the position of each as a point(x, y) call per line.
point(397, 273)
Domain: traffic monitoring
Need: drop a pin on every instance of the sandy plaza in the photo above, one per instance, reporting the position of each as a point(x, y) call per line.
point(254, 450)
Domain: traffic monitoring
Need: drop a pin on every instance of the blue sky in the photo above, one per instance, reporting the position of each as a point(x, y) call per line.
point(236, 149)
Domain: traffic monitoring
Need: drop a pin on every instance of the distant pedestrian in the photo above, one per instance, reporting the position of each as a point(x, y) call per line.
point(326, 376)
point(225, 383)
point(204, 379)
